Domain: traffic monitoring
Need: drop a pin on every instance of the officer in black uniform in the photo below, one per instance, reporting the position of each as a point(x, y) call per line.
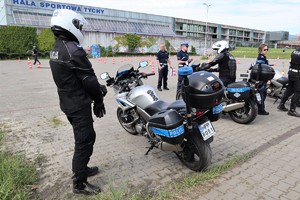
point(183, 60)
point(77, 87)
point(294, 85)
point(226, 61)
point(35, 55)
point(163, 61)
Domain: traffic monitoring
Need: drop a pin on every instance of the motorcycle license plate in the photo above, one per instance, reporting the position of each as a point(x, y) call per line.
point(217, 109)
point(258, 97)
point(207, 130)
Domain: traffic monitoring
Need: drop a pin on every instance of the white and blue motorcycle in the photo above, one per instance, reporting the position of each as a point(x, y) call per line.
point(183, 126)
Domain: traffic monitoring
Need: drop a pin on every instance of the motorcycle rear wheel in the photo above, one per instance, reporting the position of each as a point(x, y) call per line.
point(178, 95)
point(196, 154)
point(129, 128)
point(298, 103)
point(246, 114)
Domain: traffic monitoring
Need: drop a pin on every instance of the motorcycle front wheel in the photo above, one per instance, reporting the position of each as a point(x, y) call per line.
point(246, 114)
point(196, 153)
point(129, 128)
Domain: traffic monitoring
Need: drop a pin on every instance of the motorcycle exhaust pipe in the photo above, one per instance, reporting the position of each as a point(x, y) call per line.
point(233, 106)
point(169, 147)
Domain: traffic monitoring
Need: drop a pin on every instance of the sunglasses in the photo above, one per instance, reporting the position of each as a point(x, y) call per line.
point(266, 49)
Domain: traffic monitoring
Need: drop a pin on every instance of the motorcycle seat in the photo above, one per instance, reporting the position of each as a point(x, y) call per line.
point(176, 105)
point(157, 107)
point(162, 105)
point(283, 80)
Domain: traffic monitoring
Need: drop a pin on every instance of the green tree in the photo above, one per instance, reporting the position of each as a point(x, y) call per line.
point(149, 42)
point(45, 40)
point(131, 41)
point(17, 39)
point(193, 50)
point(167, 44)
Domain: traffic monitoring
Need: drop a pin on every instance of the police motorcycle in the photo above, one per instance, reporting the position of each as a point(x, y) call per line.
point(182, 126)
point(278, 86)
point(239, 100)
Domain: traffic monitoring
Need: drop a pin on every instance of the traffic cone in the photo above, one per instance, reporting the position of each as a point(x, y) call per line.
point(152, 67)
point(282, 73)
point(28, 61)
point(30, 65)
point(238, 62)
point(174, 71)
point(39, 65)
point(113, 61)
point(19, 60)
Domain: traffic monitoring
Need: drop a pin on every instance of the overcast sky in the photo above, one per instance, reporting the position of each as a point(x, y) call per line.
point(269, 15)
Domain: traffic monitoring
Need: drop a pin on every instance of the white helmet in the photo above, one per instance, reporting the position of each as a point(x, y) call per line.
point(68, 23)
point(220, 46)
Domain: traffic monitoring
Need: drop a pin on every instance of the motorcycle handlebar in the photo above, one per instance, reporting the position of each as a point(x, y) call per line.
point(150, 74)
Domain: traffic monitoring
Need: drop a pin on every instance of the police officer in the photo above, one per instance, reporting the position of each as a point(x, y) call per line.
point(163, 61)
point(183, 60)
point(294, 85)
point(262, 58)
point(35, 55)
point(77, 87)
point(226, 61)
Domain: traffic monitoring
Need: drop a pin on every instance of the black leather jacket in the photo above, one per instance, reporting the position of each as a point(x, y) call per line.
point(295, 59)
point(227, 65)
point(76, 82)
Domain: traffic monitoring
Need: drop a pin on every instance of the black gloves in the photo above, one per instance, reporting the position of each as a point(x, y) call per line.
point(103, 90)
point(99, 109)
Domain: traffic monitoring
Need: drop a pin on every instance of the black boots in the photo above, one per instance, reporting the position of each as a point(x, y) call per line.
point(92, 171)
point(83, 187)
point(282, 107)
point(293, 113)
point(80, 184)
point(159, 89)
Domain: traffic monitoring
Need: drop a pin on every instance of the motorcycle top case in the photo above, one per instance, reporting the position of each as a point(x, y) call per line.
point(238, 91)
point(262, 72)
point(168, 125)
point(205, 90)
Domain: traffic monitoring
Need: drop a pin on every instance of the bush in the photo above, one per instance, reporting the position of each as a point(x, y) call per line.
point(17, 39)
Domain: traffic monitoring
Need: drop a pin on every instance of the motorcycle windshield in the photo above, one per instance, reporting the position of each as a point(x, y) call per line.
point(124, 70)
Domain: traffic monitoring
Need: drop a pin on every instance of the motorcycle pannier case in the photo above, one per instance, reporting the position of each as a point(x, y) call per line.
point(262, 72)
point(205, 90)
point(168, 125)
point(238, 91)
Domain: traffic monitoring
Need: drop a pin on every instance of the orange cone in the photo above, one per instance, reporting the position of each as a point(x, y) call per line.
point(19, 60)
point(113, 61)
point(174, 71)
point(39, 65)
point(282, 73)
point(238, 62)
point(28, 61)
point(152, 67)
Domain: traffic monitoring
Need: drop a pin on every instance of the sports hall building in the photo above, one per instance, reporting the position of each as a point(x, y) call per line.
point(105, 24)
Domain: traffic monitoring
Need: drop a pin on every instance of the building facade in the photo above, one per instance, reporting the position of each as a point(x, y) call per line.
point(105, 24)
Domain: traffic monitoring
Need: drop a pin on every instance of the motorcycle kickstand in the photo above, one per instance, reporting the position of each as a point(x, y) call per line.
point(151, 147)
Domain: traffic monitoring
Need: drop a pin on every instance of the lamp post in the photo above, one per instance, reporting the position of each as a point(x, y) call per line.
point(206, 31)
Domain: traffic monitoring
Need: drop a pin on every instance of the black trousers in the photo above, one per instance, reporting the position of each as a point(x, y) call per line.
point(293, 88)
point(84, 135)
point(36, 59)
point(163, 76)
point(263, 93)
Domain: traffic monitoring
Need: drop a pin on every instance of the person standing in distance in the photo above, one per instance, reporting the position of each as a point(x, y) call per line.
point(294, 85)
point(183, 60)
point(35, 55)
point(77, 87)
point(163, 61)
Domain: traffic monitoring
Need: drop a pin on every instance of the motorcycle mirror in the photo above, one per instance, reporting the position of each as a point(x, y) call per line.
point(143, 64)
point(104, 76)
